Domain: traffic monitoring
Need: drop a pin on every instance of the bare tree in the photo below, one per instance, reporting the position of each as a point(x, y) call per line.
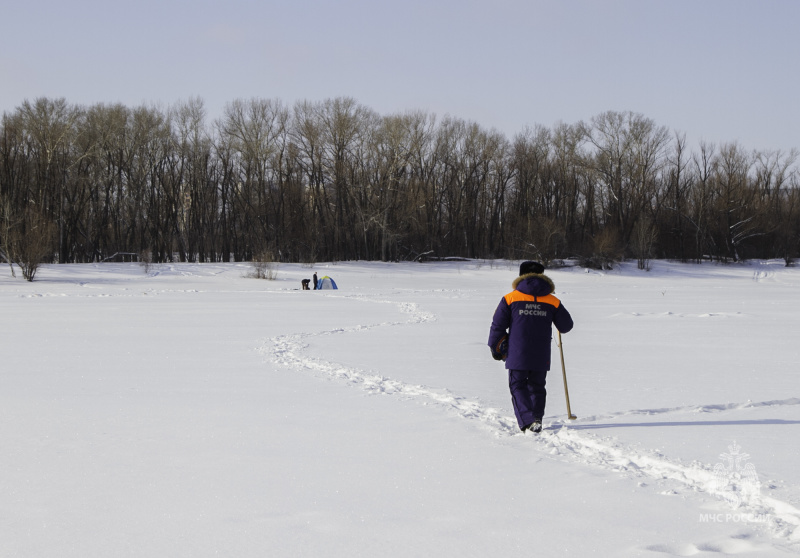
point(30, 243)
point(642, 242)
point(785, 218)
point(672, 202)
point(630, 151)
point(8, 233)
point(736, 203)
point(335, 180)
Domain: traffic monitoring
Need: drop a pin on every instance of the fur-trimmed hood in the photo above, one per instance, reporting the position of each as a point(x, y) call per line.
point(537, 284)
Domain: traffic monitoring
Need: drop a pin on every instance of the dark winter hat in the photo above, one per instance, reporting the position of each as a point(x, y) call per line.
point(530, 267)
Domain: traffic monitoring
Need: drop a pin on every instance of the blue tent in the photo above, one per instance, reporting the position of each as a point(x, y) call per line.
point(326, 283)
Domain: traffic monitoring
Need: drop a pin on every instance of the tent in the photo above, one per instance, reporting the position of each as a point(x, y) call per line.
point(326, 283)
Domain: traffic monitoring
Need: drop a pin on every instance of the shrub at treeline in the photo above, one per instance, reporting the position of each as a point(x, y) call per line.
point(333, 180)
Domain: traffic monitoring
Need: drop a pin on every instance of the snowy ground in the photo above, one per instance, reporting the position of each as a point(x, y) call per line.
point(193, 411)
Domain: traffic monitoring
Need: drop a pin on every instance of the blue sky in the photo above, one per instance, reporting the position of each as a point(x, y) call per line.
point(716, 70)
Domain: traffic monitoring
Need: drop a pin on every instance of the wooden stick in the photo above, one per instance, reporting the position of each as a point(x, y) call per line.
point(564, 373)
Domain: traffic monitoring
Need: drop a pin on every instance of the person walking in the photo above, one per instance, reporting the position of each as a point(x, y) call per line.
point(315, 280)
point(521, 335)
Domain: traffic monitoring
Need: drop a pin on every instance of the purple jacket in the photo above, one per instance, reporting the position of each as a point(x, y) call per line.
point(527, 314)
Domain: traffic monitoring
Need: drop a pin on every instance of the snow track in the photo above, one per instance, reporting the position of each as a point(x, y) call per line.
point(288, 350)
point(696, 409)
point(561, 439)
point(782, 518)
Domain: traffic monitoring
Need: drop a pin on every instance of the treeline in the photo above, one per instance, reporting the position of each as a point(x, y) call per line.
point(334, 180)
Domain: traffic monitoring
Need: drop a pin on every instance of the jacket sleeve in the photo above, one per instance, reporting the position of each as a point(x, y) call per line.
point(500, 323)
point(562, 319)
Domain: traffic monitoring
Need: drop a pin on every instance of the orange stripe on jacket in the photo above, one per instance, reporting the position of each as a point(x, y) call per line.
point(517, 296)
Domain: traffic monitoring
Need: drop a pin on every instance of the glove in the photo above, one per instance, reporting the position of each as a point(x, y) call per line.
point(500, 350)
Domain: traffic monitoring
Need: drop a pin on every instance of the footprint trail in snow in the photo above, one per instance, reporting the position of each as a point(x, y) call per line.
point(558, 439)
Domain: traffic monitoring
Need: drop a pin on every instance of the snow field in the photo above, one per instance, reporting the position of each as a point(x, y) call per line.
point(138, 417)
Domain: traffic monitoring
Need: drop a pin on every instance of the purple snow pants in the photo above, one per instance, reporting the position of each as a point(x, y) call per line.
point(528, 395)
